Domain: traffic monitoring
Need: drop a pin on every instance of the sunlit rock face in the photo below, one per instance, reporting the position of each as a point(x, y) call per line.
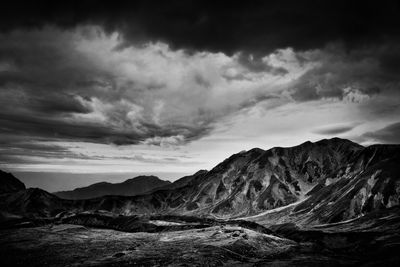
point(369, 183)
point(255, 181)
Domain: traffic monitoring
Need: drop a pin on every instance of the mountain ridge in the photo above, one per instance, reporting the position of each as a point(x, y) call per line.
point(130, 187)
point(328, 181)
point(252, 182)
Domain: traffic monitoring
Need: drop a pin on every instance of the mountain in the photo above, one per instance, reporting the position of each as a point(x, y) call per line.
point(326, 181)
point(182, 181)
point(329, 181)
point(33, 203)
point(8, 183)
point(370, 182)
point(135, 186)
point(332, 202)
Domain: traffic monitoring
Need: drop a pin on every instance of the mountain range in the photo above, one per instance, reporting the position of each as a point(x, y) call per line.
point(131, 187)
point(331, 203)
point(329, 181)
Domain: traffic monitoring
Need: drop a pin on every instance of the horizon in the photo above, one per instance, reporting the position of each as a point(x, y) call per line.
point(70, 180)
point(59, 181)
point(172, 88)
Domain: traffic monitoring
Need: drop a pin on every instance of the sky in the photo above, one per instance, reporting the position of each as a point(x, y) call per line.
point(171, 87)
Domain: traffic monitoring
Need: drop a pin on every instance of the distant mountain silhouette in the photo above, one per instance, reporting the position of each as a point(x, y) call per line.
point(8, 183)
point(131, 187)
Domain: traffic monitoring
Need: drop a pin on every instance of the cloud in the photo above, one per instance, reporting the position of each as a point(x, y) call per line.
point(85, 84)
point(142, 159)
point(335, 129)
point(165, 141)
point(352, 76)
point(256, 27)
point(388, 135)
point(20, 150)
point(26, 152)
point(81, 85)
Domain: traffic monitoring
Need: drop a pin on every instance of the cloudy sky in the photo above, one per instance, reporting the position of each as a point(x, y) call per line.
point(176, 86)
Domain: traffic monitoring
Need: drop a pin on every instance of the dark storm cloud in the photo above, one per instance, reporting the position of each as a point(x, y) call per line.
point(46, 83)
point(20, 151)
point(51, 88)
point(349, 75)
point(256, 64)
point(254, 26)
point(389, 59)
point(58, 103)
point(59, 129)
point(389, 134)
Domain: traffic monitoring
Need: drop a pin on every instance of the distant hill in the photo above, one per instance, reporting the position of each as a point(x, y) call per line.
point(131, 187)
point(9, 184)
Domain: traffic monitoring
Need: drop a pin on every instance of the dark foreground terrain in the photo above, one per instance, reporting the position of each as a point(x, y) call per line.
point(91, 240)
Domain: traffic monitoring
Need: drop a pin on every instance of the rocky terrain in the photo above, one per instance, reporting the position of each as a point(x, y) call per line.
point(89, 240)
point(331, 202)
point(64, 245)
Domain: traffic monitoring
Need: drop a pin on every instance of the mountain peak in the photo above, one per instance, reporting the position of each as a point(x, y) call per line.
point(336, 140)
point(143, 178)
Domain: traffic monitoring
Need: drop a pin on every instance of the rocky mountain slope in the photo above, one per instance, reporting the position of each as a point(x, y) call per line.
point(9, 184)
point(33, 203)
point(131, 187)
point(326, 181)
point(313, 183)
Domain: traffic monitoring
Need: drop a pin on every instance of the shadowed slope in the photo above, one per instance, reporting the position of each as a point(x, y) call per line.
point(8, 183)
